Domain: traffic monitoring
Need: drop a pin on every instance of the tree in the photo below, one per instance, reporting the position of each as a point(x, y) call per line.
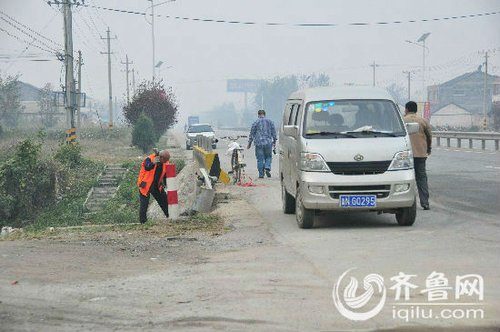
point(223, 115)
point(314, 80)
point(10, 100)
point(397, 92)
point(274, 93)
point(46, 104)
point(155, 102)
point(143, 134)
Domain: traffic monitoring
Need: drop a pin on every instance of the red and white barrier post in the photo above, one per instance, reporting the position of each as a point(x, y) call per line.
point(172, 187)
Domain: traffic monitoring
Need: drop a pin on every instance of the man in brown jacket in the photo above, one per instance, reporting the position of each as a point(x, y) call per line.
point(421, 145)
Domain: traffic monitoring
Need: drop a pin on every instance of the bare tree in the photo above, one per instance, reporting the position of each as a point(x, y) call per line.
point(47, 108)
point(10, 100)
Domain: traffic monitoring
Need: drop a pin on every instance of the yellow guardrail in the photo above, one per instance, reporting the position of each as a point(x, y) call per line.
point(210, 161)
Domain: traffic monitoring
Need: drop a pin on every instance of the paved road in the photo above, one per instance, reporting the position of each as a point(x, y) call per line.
point(458, 236)
point(266, 274)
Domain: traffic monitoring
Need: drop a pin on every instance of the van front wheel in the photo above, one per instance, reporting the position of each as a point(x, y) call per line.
point(288, 201)
point(305, 217)
point(407, 216)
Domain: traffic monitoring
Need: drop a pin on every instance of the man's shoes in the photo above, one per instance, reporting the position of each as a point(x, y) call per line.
point(426, 206)
point(261, 176)
point(268, 172)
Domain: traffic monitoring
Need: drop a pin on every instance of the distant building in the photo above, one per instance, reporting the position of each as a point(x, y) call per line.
point(453, 116)
point(463, 95)
point(30, 97)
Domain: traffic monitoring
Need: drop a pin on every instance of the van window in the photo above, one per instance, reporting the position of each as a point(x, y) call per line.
point(293, 113)
point(295, 122)
point(359, 118)
point(286, 114)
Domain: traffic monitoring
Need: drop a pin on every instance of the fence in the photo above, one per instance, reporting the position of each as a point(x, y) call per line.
point(470, 136)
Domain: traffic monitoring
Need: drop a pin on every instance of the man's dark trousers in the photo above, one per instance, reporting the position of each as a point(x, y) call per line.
point(421, 178)
point(161, 198)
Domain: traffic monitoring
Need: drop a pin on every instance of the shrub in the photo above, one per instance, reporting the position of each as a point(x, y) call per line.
point(143, 135)
point(69, 154)
point(26, 182)
point(158, 103)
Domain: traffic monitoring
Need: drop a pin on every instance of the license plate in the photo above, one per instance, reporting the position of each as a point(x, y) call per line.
point(361, 201)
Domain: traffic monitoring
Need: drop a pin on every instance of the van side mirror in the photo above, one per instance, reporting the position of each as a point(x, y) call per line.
point(412, 127)
point(291, 130)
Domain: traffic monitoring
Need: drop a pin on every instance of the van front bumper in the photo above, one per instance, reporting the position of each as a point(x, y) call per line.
point(320, 191)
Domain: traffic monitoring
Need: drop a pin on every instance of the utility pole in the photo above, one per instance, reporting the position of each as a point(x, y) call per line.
point(79, 91)
point(126, 63)
point(374, 65)
point(69, 84)
point(133, 81)
point(110, 104)
point(153, 35)
point(485, 93)
point(409, 82)
point(70, 102)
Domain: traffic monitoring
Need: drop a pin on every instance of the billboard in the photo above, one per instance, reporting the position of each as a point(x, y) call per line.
point(241, 85)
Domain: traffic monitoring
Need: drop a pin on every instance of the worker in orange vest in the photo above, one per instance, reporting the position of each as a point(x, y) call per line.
point(151, 181)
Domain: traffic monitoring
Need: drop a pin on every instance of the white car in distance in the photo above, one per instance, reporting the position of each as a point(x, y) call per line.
point(199, 129)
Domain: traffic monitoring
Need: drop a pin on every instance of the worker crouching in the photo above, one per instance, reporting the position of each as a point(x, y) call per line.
point(152, 179)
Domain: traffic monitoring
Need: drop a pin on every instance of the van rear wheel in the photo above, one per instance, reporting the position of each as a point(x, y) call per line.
point(407, 216)
point(305, 217)
point(288, 202)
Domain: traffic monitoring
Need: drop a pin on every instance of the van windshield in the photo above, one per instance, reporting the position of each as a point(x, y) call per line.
point(352, 119)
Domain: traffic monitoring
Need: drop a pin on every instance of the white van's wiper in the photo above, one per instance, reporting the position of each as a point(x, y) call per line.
point(376, 132)
point(331, 133)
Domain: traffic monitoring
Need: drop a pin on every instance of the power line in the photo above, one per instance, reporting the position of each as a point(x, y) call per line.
point(305, 25)
point(30, 29)
point(30, 35)
point(105, 25)
point(28, 43)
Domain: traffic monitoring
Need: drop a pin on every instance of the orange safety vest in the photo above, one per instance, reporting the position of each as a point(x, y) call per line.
point(146, 177)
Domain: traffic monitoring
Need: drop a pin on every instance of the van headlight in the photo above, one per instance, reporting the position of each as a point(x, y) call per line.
point(313, 162)
point(402, 160)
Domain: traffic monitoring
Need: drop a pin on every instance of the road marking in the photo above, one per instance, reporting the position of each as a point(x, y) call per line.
point(492, 167)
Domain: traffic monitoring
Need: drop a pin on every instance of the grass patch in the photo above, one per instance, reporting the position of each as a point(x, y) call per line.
point(206, 223)
point(69, 210)
point(98, 148)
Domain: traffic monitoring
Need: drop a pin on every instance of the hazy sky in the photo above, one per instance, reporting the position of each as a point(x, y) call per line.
point(202, 55)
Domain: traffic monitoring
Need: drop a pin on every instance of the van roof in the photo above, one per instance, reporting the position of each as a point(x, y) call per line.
point(343, 92)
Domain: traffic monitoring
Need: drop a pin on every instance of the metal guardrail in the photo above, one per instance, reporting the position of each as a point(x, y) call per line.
point(204, 142)
point(470, 136)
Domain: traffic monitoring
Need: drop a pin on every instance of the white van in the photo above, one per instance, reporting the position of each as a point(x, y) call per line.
point(346, 149)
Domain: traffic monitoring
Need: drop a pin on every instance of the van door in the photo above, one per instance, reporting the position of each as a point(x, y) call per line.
point(283, 146)
point(290, 146)
point(295, 149)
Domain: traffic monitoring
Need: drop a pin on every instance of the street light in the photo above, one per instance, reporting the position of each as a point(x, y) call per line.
point(158, 65)
point(422, 40)
point(153, 28)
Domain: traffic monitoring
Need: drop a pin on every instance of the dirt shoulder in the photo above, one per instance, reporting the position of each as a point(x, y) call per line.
point(129, 280)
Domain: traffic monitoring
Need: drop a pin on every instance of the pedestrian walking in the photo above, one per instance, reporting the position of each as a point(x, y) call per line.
point(421, 143)
point(151, 181)
point(263, 135)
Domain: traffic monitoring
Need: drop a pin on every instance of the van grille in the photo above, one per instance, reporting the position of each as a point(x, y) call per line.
point(381, 191)
point(359, 168)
